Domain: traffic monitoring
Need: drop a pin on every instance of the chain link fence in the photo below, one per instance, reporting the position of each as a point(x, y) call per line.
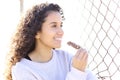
point(100, 24)
point(102, 37)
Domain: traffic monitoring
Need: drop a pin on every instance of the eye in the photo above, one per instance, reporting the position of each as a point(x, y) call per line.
point(54, 25)
point(61, 25)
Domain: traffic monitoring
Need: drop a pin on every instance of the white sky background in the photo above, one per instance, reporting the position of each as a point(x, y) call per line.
point(9, 12)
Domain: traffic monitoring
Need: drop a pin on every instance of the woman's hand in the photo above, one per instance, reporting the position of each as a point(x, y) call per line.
point(80, 59)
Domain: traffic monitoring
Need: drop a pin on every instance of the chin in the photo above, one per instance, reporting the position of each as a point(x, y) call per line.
point(57, 46)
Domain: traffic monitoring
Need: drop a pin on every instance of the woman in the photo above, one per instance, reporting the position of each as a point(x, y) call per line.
point(32, 54)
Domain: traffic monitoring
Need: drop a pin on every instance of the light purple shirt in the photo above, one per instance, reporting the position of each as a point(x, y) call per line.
point(58, 68)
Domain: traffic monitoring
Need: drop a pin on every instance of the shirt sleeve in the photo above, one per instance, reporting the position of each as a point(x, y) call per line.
point(75, 74)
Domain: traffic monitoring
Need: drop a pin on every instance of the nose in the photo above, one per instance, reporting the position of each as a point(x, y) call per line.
point(60, 31)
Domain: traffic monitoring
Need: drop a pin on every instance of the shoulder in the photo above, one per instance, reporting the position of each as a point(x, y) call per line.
point(21, 71)
point(19, 67)
point(22, 66)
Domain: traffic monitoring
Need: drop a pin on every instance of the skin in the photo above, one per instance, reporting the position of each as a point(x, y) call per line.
point(50, 37)
point(80, 59)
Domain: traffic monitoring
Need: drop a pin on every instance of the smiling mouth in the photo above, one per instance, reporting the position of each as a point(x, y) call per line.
point(59, 39)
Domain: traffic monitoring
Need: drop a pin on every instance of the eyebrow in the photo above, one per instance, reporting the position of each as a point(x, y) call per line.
point(55, 22)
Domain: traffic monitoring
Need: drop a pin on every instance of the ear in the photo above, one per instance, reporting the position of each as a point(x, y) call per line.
point(37, 36)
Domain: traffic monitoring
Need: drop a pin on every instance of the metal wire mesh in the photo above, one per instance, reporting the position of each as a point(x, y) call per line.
point(102, 29)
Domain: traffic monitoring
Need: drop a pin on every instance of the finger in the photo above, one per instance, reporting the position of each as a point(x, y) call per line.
point(85, 57)
point(81, 54)
point(85, 54)
point(78, 53)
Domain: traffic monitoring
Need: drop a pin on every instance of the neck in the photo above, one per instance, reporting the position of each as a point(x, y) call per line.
point(41, 54)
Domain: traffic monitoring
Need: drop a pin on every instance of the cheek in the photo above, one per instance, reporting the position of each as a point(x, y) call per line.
point(50, 32)
point(47, 35)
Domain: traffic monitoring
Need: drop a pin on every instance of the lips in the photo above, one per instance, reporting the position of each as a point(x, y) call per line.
point(59, 39)
point(57, 42)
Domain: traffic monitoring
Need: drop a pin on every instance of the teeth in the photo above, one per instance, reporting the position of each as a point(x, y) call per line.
point(58, 38)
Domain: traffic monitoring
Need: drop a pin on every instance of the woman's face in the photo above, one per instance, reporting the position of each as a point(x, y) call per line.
point(51, 33)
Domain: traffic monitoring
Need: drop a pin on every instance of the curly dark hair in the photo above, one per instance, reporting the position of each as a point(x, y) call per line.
point(23, 42)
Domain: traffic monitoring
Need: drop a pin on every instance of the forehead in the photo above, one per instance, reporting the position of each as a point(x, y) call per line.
point(53, 16)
